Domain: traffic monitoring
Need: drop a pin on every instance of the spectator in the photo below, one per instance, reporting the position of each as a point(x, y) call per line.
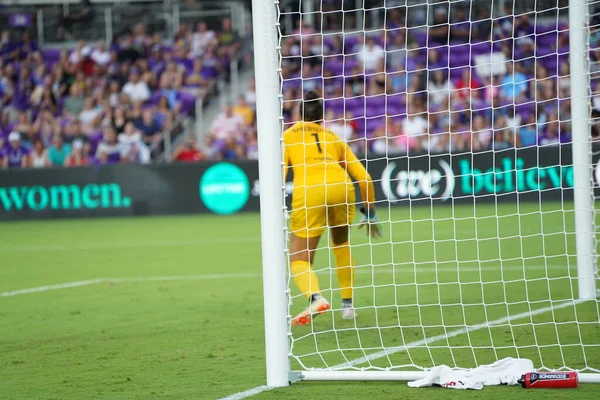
point(114, 93)
point(59, 83)
point(73, 132)
point(76, 55)
point(209, 148)
point(341, 127)
point(396, 51)
point(250, 94)
point(169, 92)
point(17, 154)
point(501, 140)
point(513, 120)
point(79, 155)
point(527, 134)
point(523, 27)
point(188, 151)
point(74, 102)
point(415, 127)
point(370, 54)
point(513, 85)
point(201, 40)
point(460, 30)
point(40, 88)
point(3, 155)
point(434, 60)
point(140, 39)
point(244, 110)
point(467, 87)
point(526, 58)
point(131, 145)
point(550, 136)
point(439, 88)
point(172, 77)
point(149, 128)
point(564, 81)
point(24, 126)
point(39, 155)
point(91, 116)
point(229, 40)
point(482, 29)
point(196, 78)
point(164, 115)
point(127, 52)
point(399, 80)
point(181, 42)
point(391, 139)
point(8, 51)
point(136, 89)
point(482, 133)
point(24, 89)
point(101, 55)
point(252, 148)
point(108, 151)
point(227, 125)
point(439, 30)
point(58, 151)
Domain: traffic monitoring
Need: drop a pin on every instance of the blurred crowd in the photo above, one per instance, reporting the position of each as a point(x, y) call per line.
point(395, 90)
point(470, 81)
point(106, 103)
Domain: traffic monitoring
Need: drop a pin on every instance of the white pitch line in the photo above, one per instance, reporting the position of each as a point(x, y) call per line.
point(457, 332)
point(248, 393)
point(133, 279)
point(127, 245)
point(359, 271)
point(186, 277)
point(51, 287)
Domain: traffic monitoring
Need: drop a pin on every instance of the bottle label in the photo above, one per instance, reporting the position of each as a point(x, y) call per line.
point(546, 377)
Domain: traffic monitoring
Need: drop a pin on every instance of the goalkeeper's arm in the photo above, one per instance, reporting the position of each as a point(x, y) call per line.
point(367, 191)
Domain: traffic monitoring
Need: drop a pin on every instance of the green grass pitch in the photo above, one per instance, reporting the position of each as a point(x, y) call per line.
point(199, 333)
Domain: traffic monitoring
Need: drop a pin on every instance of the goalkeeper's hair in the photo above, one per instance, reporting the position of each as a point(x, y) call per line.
point(311, 109)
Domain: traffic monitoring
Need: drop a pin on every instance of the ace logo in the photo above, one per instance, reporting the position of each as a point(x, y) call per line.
point(398, 184)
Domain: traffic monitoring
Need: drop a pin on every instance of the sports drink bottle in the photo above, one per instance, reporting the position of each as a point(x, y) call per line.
point(557, 380)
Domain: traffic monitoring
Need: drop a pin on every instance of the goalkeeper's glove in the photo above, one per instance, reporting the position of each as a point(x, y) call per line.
point(370, 220)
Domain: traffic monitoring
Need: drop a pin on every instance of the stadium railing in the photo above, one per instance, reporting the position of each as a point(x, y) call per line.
point(110, 17)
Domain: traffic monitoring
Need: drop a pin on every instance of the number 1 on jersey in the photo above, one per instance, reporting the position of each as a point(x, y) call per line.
point(316, 136)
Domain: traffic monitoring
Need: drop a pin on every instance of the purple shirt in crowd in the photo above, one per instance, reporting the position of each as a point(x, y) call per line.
point(15, 156)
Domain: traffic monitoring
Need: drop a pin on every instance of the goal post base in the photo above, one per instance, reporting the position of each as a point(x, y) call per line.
point(324, 375)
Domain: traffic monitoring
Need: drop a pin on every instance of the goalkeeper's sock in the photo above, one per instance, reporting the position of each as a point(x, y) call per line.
point(344, 270)
point(305, 278)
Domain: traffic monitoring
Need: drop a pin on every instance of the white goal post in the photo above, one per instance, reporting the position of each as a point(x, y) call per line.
point(490, 246)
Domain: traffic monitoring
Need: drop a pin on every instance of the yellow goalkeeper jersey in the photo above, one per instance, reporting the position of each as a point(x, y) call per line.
point(318, 156)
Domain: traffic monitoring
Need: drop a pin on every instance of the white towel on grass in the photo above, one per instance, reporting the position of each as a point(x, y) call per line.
point(503, 372)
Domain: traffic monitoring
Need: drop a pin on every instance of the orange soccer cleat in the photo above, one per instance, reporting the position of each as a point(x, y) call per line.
point(319, 306)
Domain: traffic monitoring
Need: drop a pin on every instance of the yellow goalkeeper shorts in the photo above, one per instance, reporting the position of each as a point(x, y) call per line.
point(315, 208)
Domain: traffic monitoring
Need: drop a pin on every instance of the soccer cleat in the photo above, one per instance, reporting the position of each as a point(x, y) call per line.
point(319, 306)
point(348, 311)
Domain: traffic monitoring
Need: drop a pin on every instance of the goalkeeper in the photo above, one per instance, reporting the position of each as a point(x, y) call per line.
point(324, 197)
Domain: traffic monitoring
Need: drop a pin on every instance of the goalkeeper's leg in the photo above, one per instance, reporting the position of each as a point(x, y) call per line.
point(302, 252)
point(344, 268)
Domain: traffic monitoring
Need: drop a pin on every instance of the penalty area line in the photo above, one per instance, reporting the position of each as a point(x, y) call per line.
point(248, 393)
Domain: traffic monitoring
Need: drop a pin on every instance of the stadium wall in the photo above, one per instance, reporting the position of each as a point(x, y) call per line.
point(533, 174)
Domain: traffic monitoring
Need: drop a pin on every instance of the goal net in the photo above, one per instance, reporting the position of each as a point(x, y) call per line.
point(476, 120)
